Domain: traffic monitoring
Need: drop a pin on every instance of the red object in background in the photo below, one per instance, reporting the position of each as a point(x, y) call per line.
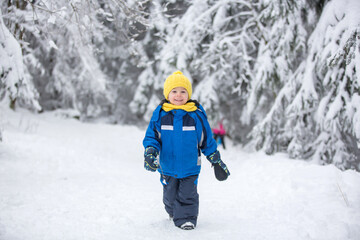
point(220, 130)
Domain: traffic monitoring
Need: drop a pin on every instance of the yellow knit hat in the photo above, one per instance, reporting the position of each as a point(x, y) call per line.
point(177, 79)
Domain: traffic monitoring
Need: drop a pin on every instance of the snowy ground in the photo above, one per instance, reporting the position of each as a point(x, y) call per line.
point(62, 179)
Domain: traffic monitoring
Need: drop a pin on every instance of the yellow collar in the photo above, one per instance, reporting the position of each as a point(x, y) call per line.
point(189, 107)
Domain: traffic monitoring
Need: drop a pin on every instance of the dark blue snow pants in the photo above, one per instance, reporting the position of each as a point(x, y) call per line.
point(181, 199)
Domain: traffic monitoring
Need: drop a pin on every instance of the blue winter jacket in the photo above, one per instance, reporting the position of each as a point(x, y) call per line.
point(180, 137)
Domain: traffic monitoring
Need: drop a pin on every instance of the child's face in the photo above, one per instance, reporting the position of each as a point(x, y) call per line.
point(178, 96)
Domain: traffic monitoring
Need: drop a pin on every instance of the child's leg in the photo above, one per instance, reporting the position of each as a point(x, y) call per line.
point(169, 194)
point(222, 141)
point(186, 206)
point(216, 137)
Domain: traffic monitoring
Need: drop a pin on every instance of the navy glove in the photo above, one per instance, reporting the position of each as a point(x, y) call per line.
point(150, 161)
point(220, 168)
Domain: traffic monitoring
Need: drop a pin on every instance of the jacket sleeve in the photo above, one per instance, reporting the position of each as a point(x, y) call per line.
point(208, 144)
point(152, 135)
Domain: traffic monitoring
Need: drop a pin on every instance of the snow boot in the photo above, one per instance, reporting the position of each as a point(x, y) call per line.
point(187, 226)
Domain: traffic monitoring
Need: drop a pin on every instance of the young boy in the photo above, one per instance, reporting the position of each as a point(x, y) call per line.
point(179, 131)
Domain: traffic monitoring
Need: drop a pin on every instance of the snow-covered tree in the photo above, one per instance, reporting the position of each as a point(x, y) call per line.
point(63, 44)
point(335, 57)
point(314, 113)
point(158, 61)
point(282, 49)
point(16, 88)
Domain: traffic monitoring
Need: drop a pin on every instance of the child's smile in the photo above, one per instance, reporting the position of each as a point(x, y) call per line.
point(178, 96)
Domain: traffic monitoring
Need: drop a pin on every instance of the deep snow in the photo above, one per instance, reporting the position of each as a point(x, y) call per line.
point(62, 179)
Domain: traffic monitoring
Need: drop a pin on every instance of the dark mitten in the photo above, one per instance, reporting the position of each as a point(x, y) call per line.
point(221, 171)
point(220, 168)
point(150, 161)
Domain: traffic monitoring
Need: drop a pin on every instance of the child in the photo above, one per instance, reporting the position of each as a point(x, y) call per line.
point(219, 132)
point(179, 131)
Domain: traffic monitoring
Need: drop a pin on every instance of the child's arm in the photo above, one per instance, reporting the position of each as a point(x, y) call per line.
point(152, 145)
point(209, 149)
point(152, 137)
point(207, 144)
